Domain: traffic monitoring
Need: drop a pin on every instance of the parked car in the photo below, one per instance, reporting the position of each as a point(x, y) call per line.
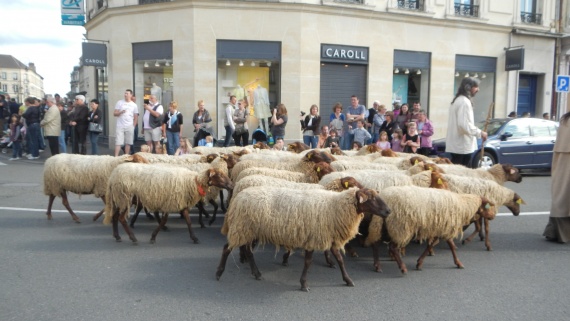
point(523, 142)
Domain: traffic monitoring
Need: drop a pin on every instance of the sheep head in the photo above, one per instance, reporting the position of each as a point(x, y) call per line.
point(368, 201)
point(297, 147)
point(317, 157)
point(515, 204)
point(388, 153)
point(219, 179)
point(210, 158)
point(136, 158)
point(230, 159)
point(486, 209)
point(261, 145)
point(322, 169)
point(442, 160)
point(433, 168)
point(437, 181)
point(416, 160)
point(372, 148)
point(336, 151)
point(241, 152)
point(348, 182)
point(512, 173)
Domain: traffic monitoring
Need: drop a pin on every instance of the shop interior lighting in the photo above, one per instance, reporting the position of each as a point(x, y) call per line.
point(396, 71)
point(419, 72)
point(156, 64)
point(167, 64)
point(466, 74)
point(268, 64)
point(228, 63)
point(476, 75)
point(457, 74)
point(146, 64)
point(241, 63)
point(407, 71)
point(253, 63)
point(483, 76)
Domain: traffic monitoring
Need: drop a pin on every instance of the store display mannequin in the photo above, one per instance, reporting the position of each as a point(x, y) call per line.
point(261, 105)
point(239, 92)
point(156, 91)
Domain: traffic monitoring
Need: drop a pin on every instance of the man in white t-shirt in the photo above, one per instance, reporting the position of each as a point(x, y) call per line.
point(127, 114)
point(152, 122)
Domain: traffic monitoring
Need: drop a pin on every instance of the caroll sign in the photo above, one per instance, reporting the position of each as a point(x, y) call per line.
point(348, 54)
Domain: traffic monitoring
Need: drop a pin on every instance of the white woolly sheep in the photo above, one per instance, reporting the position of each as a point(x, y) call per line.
point(434, 214)
point(379, 180)
point(79, 174)
point(350, 165)
point(146, 182)
point(169, 159)
point(269, 181)
point(500, 173)
point(319, 220)
point(299, 166)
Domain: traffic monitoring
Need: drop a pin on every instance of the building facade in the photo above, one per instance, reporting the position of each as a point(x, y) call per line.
point(18, 80)
point(321, 52)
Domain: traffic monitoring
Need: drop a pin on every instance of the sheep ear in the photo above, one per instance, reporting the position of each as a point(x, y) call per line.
point(512, 171)
point(439, 181)
point(521, 201)
point(362, 197)
point(212, 172)
point(487, 206)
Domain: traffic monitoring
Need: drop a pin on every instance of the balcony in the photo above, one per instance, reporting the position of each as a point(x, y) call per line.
point(466, 10)
point(531, 18)
point(411, 5)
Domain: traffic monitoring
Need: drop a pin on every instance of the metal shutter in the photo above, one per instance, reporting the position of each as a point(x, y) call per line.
point(338, 83)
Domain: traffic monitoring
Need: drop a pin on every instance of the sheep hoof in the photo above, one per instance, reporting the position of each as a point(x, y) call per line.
point(152, 241)
point(196, 241)
point(489, 249)
point(461, 267)
point(210, 222)
point(332, 266)
point(131, 225)
point(464, 242)
point(305, 289)
point(219, 275)
point(285, 264)
point(77, 221)
point(349, 283)
point(49, 217)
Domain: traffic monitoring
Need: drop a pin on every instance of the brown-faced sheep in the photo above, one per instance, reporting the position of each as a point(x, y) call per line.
point(320, 220)
point(147, 182)
point(80, 174)
point(297, 147)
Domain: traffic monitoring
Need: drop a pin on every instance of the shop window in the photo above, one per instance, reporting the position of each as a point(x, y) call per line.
point(485, 94)
point(154, 71)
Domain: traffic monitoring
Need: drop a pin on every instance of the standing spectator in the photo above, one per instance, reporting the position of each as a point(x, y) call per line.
point(425, 130)
point(360, 134)
point(64, 122)
point(378, 120)
point(4, 113)
point(279, 144)
point(152, 122)
point(32, 117)
point(337, 121)
point(127, 114)
point(201, 121)
point(396, 143)
point(323, 136)
point(462, 134)
point(80, 123)
point(16, 137)
point(389, 125)
point(512, 114)
point(526, 114)
point(229, 124)
point(310, 127)
point(279, 121)
point(172, 127)
point(95, 116)
point(52, 125)
point(396, 109)
point(546, 116)
point(372, 111)
point(14, 106)
point(241, 133)
point(411, 140)
point(558, 227)
point(415, 112)
point(403, 116)
point(69, 137)
point(355, 113)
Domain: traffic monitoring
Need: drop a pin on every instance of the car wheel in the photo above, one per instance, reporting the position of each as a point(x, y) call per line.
point(487, 162)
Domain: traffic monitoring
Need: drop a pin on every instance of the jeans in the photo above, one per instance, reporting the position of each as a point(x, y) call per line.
point(16, 149)
point(93, 139)
point(241, 140)
point(62, 144)
point(33, 134)
point(347, 141)
point(173, 139)
point(311, 141)
point(229, 133)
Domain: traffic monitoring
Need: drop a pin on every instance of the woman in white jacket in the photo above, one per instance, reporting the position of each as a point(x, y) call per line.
point(462, 134)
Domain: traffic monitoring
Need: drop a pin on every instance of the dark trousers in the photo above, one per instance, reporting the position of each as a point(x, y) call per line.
point(426, 151)
point(228, 138)
point(241, 140)
point(53, 142)
point(461, 159)
point(80, 138)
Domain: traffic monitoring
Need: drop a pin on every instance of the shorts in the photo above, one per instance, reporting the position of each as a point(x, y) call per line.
point(125, 135)
point(152, 134)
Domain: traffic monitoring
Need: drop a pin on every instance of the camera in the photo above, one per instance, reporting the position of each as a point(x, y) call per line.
point(302, 113)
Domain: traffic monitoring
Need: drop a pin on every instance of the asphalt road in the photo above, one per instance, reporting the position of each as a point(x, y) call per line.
point(60, 270)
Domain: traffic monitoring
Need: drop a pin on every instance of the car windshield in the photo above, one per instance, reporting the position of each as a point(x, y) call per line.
point(493, 127)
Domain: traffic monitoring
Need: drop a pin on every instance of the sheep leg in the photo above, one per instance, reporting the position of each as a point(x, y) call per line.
point(351, 251)
point(428, 250)
point(136, 215)
point(340, 261)
point(249, 254)
point(65, 203)
point(308, 261)
point(487, 240)
point(116, 225)
point(432, 251)
point(477, 230)
point(159, 227)
point(50, 204)
point(285, 261)
point(123, 220)
point(148, 215)
point(452, 247)
point(215, 205)
point(328, 260)
point(376, 256)
point(157, 218)
point(224, 209)
point(201, 210)
point(222, 266)
point(189, 223)
point(481, 236)
point(396, 254)
point(96, 216)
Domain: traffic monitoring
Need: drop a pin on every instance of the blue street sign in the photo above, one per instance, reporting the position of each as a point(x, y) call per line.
point(562, 84)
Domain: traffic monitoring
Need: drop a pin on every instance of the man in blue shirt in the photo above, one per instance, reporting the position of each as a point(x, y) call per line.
point(355, 112)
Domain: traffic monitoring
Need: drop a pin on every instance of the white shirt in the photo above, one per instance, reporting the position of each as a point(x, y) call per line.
point(127, 119)
point(462, 133)
point(146, 115)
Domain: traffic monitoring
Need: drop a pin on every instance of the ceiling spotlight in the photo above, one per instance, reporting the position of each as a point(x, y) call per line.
point(345, 66)
point(407, 71)
point(228, 63)
point(483, 76)
point(253, 63)
point(167, 64)
point(476, 75)
point(156, 64)
point(268, 64)
point(241, 63)
point(457, 74)
point(146, 64)
point(419, 72)
point(396, 71)
point(466, 74)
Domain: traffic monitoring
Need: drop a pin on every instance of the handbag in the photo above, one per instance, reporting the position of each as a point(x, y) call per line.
point(240, 130)
point(94, 127)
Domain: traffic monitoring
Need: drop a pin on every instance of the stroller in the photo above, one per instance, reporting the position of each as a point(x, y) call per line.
point(5, 141)
point(200, 138)
point(258, 136)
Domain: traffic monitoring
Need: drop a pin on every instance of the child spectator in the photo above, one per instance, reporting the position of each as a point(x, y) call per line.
point(397, 140)
point(185, 147)
point(323, 136)
point(16, 137)
point(209, 141)
point(145, 148)
point(356, 146)
point(361, 135)
point(333, 140)
point(411, 141)
point(383, 142)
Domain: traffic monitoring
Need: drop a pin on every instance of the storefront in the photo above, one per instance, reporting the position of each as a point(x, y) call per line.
point(483, 68)
point(410, 81)
point(153, 71)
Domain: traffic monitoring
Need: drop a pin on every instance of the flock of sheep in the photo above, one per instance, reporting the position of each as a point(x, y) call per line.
point(308, 199)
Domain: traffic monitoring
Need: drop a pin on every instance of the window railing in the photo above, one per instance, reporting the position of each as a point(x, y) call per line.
point(350, 1)
point(411, 4)
point(529, 17)
point(152, 1)
point(468, 10)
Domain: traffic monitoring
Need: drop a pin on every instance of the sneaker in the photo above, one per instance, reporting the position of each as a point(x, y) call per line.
point(14, 158)
point(41, 150)
point(25, 155)
point(32, 157)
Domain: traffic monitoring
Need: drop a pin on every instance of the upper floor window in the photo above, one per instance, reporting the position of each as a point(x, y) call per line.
point(14, 76)
point(15, 88)
point(5, 88)
point(468, 8)
point(411, 4)
point(4, 76)
point(529, 12)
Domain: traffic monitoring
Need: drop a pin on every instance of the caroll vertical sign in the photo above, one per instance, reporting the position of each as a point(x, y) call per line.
point(72, 12)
